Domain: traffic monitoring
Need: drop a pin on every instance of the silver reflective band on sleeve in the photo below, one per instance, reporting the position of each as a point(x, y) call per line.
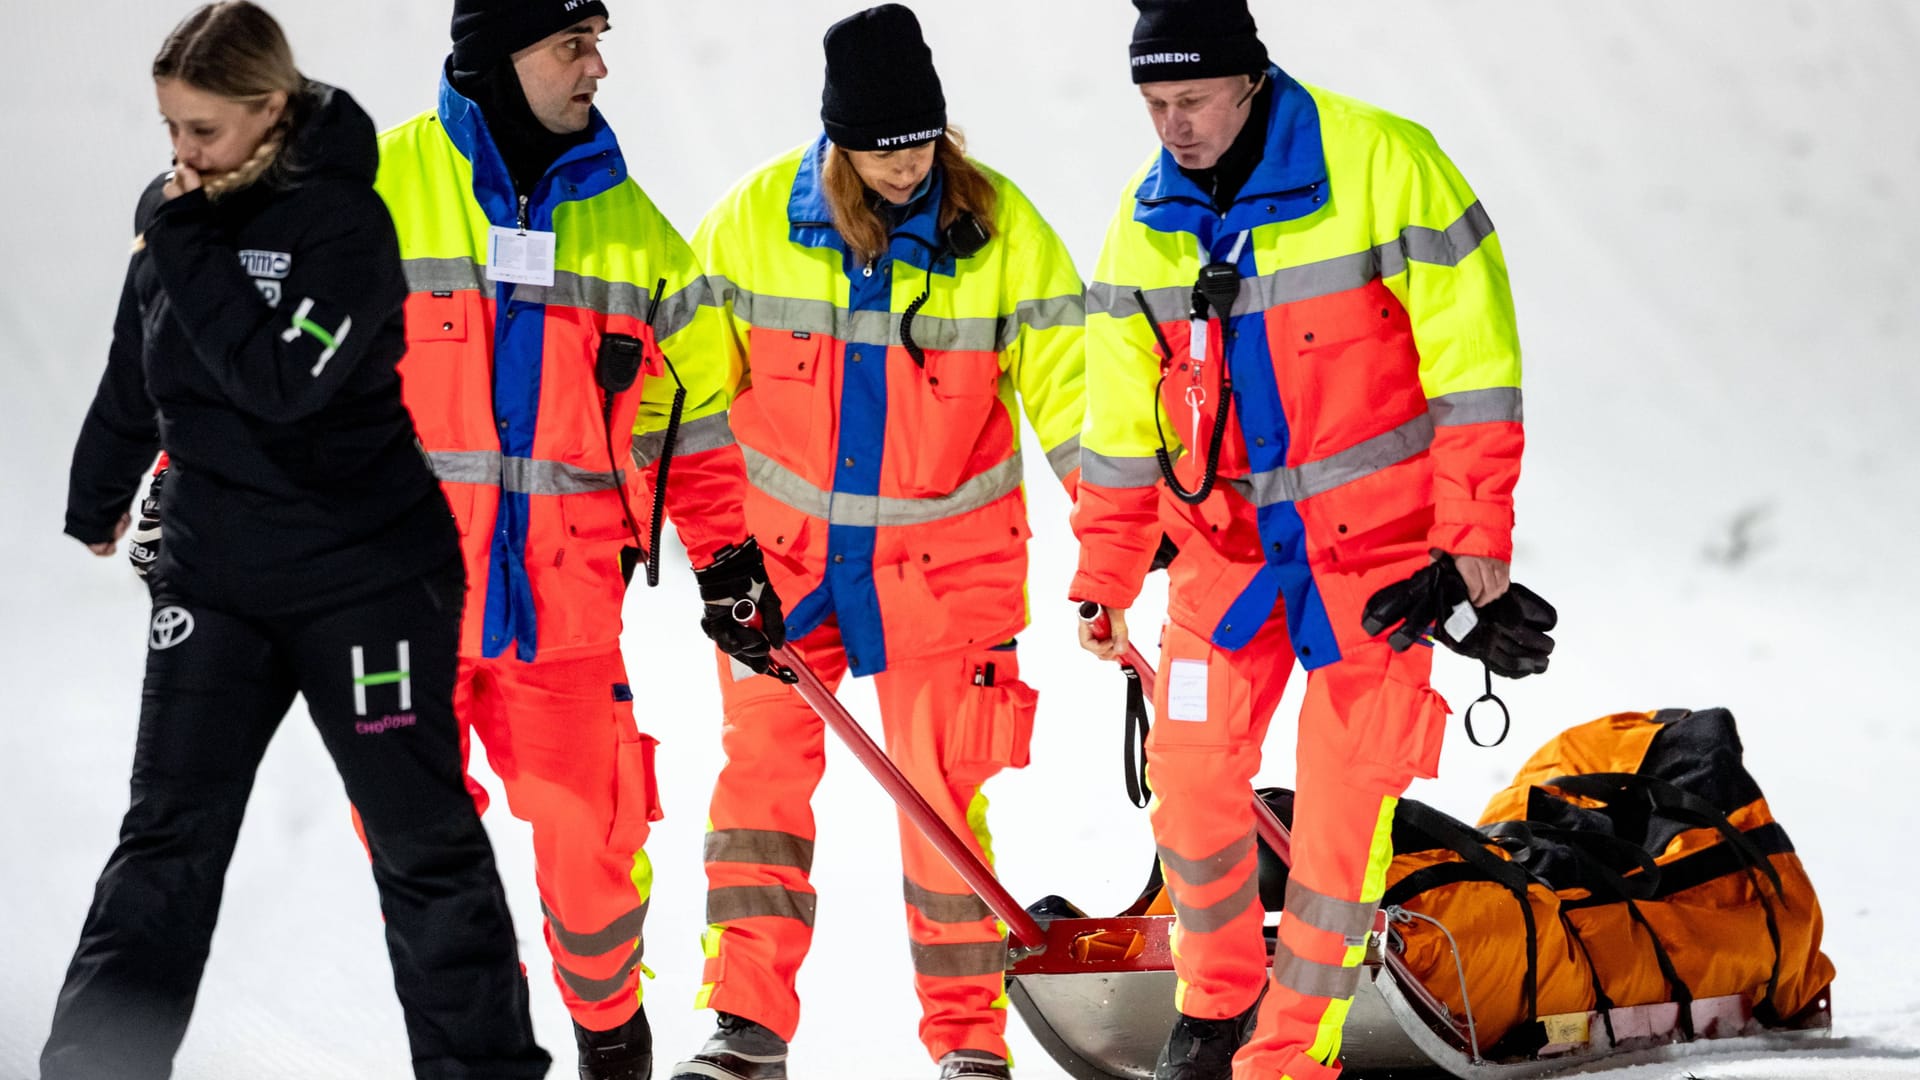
point(1311, 977)
point(595, 990)
point(1069, 310)
point(871, 511)
point(1492, 405)
point(616, 933)
point(1118, 472)
point(696, 436)
point(756, 901)
point(1209, 868)
point(1361, 459)
point(1351, 919)
point(1169, 303)
point(878, 327)
point(946, 907)
point(762, 847)
point(960, 961)
point(1065, 458)
point(1216, 916)
point(1442, 247)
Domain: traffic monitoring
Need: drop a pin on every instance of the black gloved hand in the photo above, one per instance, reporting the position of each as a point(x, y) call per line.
point(1511, 634)
point(740, 573)
point(143, 544)
point(1418, 605)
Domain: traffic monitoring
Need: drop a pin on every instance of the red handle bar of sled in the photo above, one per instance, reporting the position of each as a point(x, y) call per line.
point(911, 803)
point(1272, 829)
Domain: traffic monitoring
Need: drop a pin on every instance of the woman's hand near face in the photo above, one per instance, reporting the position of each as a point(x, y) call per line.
point(180, 181)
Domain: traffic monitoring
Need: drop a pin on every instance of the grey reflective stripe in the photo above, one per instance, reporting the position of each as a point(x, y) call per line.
point(1295, 283)
point(568, 290)
point(466, 466)
point(531, 476)
point(1216, 916)
point(1363, 458)
point(617, 933)
point(1169, 303)
point(1065, 458)
point(960, 961)
point(763, 847)
point(1118, 472)
point(876, 327)
point(696, 436)
point(1311, 977)
point(444, 275)
point(946, 907)
point(1069, 310)
point(752, 901)
point(592, 990)
point(1351, 919)
point(871, 511)
point(1210, 868)
point(1477, 407)
point(1447, 247)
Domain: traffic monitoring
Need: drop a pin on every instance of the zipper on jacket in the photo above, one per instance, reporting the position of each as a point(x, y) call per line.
point(523, 213)
point(868, 272)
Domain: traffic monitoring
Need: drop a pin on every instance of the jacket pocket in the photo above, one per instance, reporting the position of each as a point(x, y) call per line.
point(947, 413)
point(1398, 734)
point(599, 517)
point(636, 795)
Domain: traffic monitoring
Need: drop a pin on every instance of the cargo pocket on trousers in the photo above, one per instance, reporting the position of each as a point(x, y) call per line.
point(636, 796)
point(993, 730)
point(1399, 738)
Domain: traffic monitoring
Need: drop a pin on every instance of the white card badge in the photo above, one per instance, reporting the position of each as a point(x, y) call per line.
point(1198, 352)
point(520, 258)
point(1187, 691)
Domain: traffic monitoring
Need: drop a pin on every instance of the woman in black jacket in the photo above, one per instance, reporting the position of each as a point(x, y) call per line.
point(308, 551)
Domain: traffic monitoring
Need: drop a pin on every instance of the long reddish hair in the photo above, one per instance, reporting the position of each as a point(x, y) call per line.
point(964, 190)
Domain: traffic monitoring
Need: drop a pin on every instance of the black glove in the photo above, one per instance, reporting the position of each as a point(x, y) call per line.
point(1511, 636)
point(1417, 605)
point(143, 544)
point(740, 573)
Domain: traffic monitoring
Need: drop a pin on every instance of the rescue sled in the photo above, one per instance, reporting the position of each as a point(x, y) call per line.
point(1097, 993)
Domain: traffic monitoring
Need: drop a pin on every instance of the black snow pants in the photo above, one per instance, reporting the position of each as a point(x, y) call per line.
point(378, 677)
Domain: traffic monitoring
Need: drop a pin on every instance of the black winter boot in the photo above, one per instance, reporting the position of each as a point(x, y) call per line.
point(1204, 1049)
point(625, 1053)
point(974, 1065)
point(739, 1050)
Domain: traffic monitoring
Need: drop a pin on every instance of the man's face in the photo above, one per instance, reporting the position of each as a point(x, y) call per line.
point(560, 74)
point(1198, 120)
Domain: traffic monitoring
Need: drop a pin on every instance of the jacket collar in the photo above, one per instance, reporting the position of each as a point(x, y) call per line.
point(592, 168)
point(810, 222)
point(1288, 183)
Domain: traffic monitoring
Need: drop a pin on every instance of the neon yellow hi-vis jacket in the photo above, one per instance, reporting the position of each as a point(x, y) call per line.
point(501, 381)
point(1370, 357)
point(885, 480)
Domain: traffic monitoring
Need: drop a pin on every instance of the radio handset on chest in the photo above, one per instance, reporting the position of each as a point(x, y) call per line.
point(1215, 290)
point(615, 367)
point(962, 238)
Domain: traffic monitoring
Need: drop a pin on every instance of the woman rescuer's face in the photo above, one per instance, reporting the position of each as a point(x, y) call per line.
point(213, 134)
point(895, 174)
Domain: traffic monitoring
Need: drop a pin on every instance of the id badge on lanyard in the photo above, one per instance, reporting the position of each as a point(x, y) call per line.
point(520, 256)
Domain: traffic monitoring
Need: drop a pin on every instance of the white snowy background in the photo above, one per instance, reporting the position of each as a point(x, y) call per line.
point(1712, 214)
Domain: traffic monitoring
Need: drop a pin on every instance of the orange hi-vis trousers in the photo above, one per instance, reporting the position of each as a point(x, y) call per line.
point(561, 736)
point(951, 722)
point(1370, 723)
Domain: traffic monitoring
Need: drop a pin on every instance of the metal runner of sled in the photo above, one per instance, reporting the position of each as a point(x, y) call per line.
point(1098, 993)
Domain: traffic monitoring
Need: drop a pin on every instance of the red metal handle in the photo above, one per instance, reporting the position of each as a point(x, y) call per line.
point(938, 833)
point(1271, 828)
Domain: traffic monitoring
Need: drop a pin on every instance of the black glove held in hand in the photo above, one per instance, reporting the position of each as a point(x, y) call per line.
point(1416, 606)
point(143, 544)
point(740, 573)
point(1511, 636)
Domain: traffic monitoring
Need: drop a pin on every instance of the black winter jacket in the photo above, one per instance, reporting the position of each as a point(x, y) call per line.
point(257, 340)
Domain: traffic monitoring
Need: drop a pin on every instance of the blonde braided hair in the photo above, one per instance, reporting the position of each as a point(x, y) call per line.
point(236, 50)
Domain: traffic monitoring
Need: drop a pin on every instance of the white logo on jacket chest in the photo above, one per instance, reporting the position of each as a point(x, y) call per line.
point(267, 269)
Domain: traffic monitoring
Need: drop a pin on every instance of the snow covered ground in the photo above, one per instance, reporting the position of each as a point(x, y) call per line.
point(1711, 211)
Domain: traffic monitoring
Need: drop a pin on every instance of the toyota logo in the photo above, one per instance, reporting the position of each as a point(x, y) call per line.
point(171, 626)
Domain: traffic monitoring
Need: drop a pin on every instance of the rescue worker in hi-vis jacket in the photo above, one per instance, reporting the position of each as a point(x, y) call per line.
point(1328, 349)
point(891, 299)
point(552, 313)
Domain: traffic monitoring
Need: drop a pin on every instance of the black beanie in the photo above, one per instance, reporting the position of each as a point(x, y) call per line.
point(882, 92)
point(1177, 40)
point(488, 31)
